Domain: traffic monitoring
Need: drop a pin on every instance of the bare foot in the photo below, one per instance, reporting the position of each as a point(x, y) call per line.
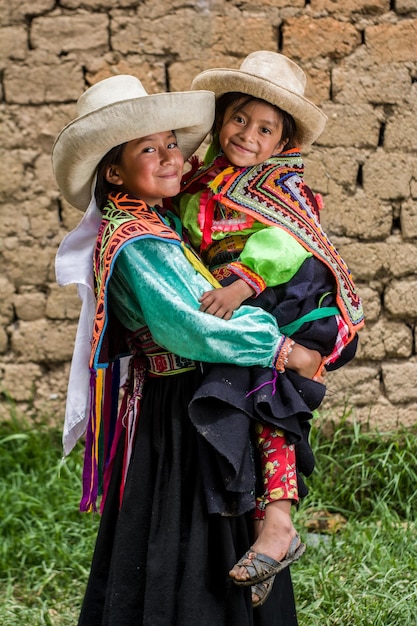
point(274, 539)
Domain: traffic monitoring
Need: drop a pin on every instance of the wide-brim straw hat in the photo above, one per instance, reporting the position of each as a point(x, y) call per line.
point(117, 110)
point(272, 77)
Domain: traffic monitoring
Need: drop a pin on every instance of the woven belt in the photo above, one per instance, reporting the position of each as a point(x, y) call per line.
point(227, 249)
point(167, 364)
point(221, 273)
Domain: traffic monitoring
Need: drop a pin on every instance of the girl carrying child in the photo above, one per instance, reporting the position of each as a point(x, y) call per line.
point(160, 557)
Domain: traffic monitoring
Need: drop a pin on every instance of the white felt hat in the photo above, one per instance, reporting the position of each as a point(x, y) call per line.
point(272, 77)
point(117, 110)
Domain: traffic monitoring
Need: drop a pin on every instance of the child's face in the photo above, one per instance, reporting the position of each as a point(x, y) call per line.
point(251, 134)
point(150, 168)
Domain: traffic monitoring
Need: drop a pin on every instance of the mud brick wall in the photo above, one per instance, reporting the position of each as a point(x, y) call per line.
point(360, 57)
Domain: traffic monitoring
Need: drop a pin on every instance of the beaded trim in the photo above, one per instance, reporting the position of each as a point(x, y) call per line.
point(249, 276)
point(284, 351)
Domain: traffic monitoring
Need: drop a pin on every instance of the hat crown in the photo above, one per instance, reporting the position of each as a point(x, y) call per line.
point(276, 68)
point(110, 91)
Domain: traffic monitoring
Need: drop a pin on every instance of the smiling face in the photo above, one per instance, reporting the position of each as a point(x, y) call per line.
point(251, 132)
point(150, 168)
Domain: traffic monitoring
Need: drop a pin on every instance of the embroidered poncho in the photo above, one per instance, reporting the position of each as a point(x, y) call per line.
point(272, 193)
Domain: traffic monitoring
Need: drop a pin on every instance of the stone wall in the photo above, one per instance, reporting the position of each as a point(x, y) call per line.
point(361, 60)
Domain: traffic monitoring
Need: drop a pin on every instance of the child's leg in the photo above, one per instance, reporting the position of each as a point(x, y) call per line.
point(278, 466)
point(274, 530)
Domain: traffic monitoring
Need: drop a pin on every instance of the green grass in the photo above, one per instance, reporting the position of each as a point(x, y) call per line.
point(363, 575)
point(366, 573)
point(46, 544)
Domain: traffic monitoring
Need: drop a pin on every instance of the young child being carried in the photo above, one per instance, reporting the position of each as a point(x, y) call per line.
point(256, 225)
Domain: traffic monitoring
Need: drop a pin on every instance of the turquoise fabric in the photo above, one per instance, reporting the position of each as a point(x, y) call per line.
point(155, 285)
point(315, 314)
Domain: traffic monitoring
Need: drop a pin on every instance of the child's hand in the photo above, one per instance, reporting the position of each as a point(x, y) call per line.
point(222, 302)
point(304, 361)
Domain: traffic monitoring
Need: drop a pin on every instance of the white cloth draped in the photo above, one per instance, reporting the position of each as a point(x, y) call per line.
point(74, 265)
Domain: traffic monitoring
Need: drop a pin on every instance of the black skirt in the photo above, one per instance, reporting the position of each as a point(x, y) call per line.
point(161, 559)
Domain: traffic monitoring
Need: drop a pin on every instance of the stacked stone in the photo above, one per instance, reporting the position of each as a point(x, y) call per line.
point(360, 57)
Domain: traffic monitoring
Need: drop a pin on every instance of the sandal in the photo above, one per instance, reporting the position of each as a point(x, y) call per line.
point(262, 590)
point(260, 567)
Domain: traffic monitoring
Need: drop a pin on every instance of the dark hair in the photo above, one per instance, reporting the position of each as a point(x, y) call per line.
point(103, 187)
point(289, 128)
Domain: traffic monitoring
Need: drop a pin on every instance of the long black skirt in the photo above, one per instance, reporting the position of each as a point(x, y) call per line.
point(160, 559)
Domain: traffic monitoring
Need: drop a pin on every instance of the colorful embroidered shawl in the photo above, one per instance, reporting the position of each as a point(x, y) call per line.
point(125, 219)
point(275, 194)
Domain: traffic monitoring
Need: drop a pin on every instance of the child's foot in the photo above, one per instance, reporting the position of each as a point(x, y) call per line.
point(277, 546)
point(257, 567)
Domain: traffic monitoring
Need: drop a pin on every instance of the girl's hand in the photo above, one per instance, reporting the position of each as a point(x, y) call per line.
point(222, 302)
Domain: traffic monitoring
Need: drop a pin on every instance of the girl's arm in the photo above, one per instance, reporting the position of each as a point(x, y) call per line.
point(153, 284)
point(223, 302)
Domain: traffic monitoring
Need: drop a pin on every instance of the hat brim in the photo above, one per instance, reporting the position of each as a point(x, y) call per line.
point(310, 120)
point(81, 145)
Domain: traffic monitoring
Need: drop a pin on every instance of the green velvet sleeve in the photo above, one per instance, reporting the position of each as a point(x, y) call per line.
point(154, 284)
point(273, 254)
point(188, 208)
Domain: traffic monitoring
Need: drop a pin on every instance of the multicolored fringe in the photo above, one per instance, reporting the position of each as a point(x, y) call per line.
point(101, 432)
point(91, 453)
